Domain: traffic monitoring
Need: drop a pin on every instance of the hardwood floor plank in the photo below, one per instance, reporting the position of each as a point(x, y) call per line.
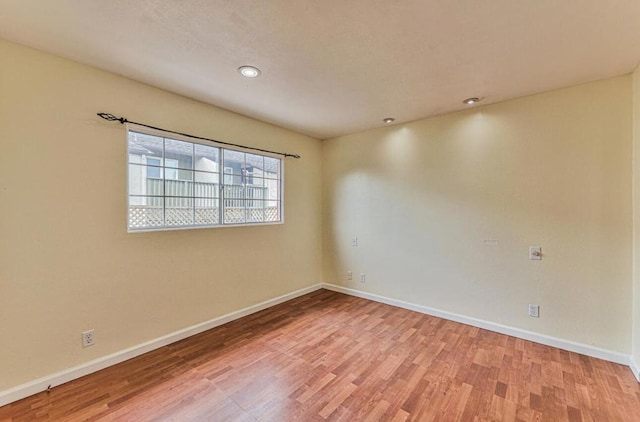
point(328, 356)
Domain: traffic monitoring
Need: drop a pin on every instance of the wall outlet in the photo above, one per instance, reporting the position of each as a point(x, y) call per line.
point(534, 311)
point(88, 338)
point(354, 241)
point(362, 278)
point(349, 275)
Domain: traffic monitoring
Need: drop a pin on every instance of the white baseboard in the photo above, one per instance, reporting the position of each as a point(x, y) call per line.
point(41, 384)
point(571, 346)
point(634, 368)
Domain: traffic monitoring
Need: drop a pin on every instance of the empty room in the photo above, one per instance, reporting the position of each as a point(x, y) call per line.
point(319, 210)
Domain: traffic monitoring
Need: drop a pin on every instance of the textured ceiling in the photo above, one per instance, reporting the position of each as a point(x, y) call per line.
point(331, 67)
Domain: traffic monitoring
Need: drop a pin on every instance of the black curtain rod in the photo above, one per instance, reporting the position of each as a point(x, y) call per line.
point(123, 120)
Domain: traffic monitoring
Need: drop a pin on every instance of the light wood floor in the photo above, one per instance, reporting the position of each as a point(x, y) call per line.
point(335, 357)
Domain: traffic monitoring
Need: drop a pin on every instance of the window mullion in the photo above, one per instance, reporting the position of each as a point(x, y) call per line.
point(221, 188)
point(163, 172)
point(193, 183)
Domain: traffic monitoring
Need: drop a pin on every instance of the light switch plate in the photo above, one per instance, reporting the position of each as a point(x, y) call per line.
point(535, 253)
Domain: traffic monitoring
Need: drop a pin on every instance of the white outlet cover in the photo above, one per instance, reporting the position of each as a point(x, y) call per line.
point(535, 253)
point(88, 338)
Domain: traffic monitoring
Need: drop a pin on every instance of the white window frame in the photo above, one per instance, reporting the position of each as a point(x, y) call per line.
point(130, 127)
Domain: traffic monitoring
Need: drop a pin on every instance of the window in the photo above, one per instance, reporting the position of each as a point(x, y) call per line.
point(173, 183)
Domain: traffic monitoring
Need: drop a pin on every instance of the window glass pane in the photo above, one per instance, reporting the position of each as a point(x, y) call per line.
point(171, 174)
point(257, 182)
point(272, 211)
point(154, 168)
point(140, 183)
point(234, 212)
point(272, 167)
point(257, 189)
point(255, 214)
point(233, 192)
point(233, 162)
point(228, 176)
point(254, 164)
point(206, 185)
point(272, 189)
point(183, 187)
point(178, 211)
point(207, 158)
point(207, 211)
point(154, 172)
point(142, 146)
point(178, 154)
point(247, 175)
point(145, 212)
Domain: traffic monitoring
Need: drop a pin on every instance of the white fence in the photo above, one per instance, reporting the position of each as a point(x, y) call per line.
point(187, 203)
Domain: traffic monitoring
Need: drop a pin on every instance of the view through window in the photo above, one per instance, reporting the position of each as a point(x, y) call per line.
point(174, 183)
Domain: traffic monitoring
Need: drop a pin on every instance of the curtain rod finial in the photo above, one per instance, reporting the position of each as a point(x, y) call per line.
point(110, 117)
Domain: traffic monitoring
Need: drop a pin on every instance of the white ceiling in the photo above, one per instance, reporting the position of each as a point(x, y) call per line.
point(332, 67)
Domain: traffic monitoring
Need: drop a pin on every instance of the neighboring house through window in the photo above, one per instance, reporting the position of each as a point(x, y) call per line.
point(155, 168)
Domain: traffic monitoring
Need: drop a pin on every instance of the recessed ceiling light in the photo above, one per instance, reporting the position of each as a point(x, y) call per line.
point(389, 120)
point(249, 71)
point(471, 101)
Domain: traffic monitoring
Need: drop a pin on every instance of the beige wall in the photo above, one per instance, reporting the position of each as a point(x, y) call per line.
point(552, 170)
point(67, 263)
point(635, 356)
